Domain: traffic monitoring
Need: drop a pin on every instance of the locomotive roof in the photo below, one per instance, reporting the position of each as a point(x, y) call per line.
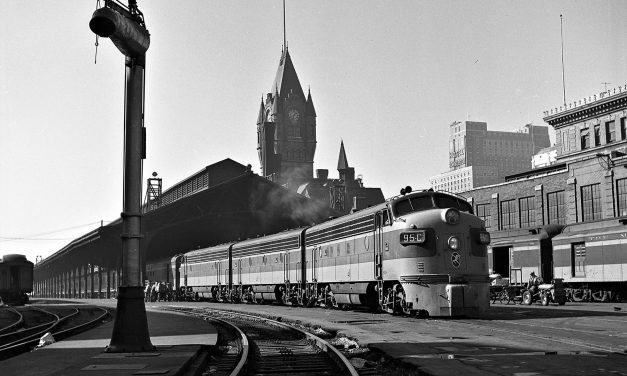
point(268, 244)
point(210, 250)
point(271, 237)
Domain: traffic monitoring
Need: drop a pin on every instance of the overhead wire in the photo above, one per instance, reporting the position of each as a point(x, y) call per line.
point(39, 235)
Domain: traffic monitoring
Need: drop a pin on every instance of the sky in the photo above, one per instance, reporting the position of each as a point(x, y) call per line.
point(386, 77)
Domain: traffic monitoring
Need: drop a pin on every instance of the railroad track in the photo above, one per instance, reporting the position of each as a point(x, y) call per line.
point(255, 345)
point(60, 321)
point(10, 319)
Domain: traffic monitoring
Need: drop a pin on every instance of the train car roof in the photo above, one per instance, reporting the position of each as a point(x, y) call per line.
point(13, 258)
point(583, 230)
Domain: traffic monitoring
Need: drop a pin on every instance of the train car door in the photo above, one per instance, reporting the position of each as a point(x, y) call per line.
point(314, 264)
point(379, 220)
point(286, 266)
point(219, 272)
point(185, 272)
point(238, 271)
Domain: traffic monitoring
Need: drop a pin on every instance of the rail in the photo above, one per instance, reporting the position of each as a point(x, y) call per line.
point(278, 348)
point(15, 324)
point(21, 341)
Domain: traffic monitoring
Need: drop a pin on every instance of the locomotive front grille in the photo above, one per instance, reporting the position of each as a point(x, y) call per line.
point(444, 278)
point(425, 278)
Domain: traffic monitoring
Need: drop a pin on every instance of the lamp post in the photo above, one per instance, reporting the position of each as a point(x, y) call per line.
point(126, 29)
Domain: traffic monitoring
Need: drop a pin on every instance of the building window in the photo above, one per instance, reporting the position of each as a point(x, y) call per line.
point(597, 135)
point(585, 139)
point(610, 133)
point(623, 129)
point(508, 214)
point(621, 192)
point(483, 212)
point(527, 212)
point(591, 202)
point(555, 204)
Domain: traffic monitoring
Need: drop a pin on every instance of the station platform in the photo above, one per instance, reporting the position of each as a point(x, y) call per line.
point(179, 341)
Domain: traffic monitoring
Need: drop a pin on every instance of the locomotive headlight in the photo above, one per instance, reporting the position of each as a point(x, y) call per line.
point(454, 243)
point(451, 216)
point(484, 237)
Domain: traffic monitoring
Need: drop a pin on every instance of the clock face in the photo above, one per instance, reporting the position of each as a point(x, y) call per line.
point(293, 115)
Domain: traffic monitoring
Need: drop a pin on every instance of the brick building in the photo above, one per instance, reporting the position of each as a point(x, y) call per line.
point(479, 157)
point(587, 184)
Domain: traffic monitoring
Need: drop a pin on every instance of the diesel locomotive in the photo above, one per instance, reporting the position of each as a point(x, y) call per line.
point(422, 253)
point(16, 279)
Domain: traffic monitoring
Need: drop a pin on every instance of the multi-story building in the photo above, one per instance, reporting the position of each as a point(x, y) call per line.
point(579, 200)
point(479, 157)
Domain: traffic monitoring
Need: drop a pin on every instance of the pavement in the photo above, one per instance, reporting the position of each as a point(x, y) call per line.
point(180, 342)
point(576, 339)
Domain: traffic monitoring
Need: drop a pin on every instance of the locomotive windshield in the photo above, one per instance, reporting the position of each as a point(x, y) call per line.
point(416, 203)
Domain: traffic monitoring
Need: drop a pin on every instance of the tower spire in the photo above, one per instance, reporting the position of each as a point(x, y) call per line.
point(284, 35)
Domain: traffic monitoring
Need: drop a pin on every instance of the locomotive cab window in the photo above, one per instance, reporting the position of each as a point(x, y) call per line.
point(453, 202)
point(413, 204)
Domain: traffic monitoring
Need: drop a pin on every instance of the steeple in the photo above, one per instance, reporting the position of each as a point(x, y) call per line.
point(342, 162)
point(286, 80)
point(287, 139)
point(347, 174)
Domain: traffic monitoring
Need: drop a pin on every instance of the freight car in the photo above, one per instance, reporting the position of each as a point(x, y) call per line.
point(16, 279)
point(421, 253)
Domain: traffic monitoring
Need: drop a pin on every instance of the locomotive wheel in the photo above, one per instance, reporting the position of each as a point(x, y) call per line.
point(545, 299)
point(526, 298)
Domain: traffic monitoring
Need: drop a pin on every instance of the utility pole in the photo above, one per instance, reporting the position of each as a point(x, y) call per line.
point(126, 29)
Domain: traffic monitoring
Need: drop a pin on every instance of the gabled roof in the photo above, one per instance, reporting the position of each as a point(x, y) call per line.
point(342, 162)
point(286, 79)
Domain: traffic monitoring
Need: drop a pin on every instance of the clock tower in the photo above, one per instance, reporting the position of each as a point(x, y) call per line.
point(286, 129)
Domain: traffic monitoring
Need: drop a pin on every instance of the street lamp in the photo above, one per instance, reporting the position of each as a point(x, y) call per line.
point(126, 29)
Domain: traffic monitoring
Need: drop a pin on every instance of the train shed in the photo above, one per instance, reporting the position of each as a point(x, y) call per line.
point(224, 201)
